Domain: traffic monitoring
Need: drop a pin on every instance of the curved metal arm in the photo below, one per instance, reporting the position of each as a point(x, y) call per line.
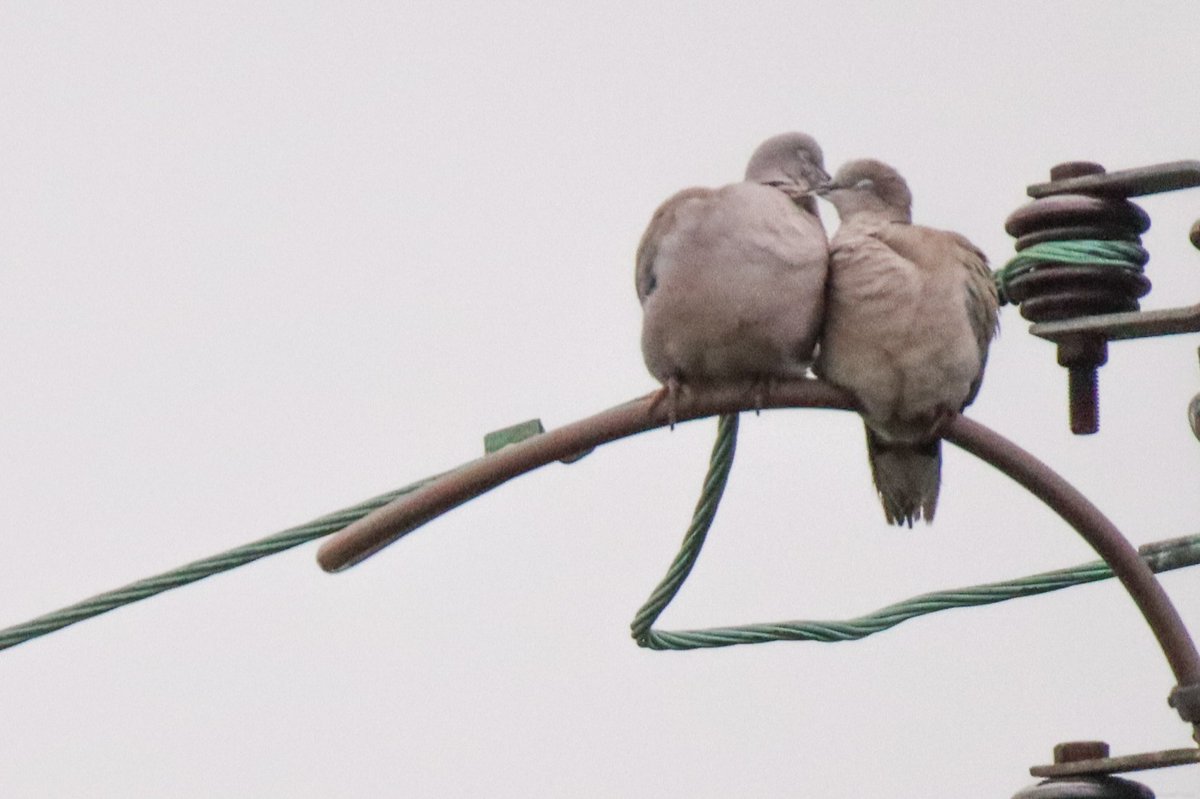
point(391, 522)
point(372, 533)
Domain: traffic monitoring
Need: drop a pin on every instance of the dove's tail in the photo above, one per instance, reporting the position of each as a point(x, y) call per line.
point(907, 477)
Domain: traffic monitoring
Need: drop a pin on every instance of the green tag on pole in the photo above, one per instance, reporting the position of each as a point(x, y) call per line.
point(498, 439)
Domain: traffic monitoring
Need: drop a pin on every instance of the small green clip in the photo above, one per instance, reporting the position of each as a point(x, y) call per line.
point(498, 439)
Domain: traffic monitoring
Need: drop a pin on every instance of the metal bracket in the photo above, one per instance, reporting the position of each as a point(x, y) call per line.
point(1121, 326)
point(1136, 182)
point(1102, 766)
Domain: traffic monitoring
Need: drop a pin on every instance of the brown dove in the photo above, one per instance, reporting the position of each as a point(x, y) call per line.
point(732, 280)
point(911, 311)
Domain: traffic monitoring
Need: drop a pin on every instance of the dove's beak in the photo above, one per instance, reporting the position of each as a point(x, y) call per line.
point(821, 189)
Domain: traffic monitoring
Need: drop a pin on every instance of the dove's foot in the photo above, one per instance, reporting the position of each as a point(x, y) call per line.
point(669, 393)
point(944, 417)
point(762, 387)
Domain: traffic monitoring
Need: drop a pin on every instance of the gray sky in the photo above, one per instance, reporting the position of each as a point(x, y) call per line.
point(261, 261)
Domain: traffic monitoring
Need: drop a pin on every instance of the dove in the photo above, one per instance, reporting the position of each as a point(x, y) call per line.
point(910, 313)
point(732, 280)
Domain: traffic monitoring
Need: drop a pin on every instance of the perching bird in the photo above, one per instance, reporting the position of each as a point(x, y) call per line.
point(732, 280)
point(910, 313)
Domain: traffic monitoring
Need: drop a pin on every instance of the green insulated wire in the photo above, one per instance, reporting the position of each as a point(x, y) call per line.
point(198, 570)
point(719, 464)
point(1160, 557)
point(1090, 252)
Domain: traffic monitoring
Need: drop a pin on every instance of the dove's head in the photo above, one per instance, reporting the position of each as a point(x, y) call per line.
point(791, 162)
point(869, 186)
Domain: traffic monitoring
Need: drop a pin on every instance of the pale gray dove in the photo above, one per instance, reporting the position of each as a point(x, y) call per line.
point(732, 280)
point(910, 313)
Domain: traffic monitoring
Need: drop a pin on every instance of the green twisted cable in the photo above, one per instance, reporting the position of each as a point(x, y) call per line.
point(198, 570)
point(719, 464)
point(1160, 557)
point(1091, 252)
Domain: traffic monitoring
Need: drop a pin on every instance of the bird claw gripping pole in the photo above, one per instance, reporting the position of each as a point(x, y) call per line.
point(1079, 270)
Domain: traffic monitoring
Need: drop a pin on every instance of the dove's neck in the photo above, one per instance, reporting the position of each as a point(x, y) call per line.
point(866, 205)
point(874, 216)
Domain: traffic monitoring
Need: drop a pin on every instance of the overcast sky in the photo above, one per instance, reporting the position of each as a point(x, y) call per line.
point(260, 261)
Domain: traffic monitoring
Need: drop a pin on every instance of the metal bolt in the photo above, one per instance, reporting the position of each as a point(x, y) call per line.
point(1075, 169)
point(1083, 355)
point(1073, 751)
point(1083, 398)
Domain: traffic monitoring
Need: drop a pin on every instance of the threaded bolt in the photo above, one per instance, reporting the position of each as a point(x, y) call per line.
point(1083, 355)
point(1083, 400)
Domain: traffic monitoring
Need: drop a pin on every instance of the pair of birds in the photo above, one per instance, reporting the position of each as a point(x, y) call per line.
point(740, 284)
